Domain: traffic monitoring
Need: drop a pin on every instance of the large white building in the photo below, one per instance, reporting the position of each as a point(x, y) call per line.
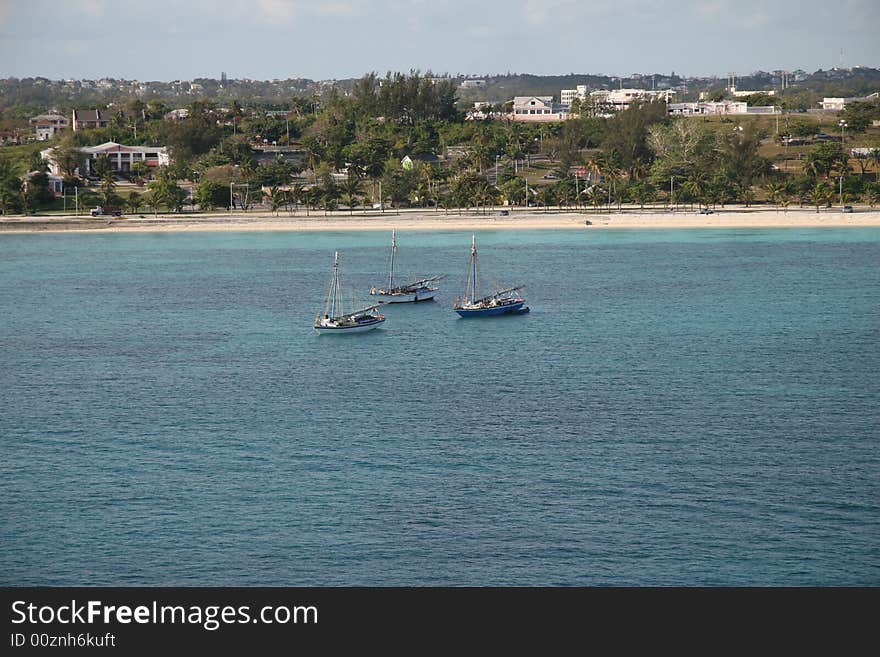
point(538, 108)
point(566, 96)
point(121, 157)
point(723, 107)
point(608, 101)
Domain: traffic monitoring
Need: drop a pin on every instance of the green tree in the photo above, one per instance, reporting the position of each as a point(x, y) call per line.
point(626, 139)
point(211, 194)
point(101, 167)
point(821, 195)
point(824, 159)
point(134, 202)
point(38, 192)
point(108, 189)
point(193, 136)
point(352, 190)
point(164, 190)
point(775, 191)
point(10, 188)
point(738, 157)
point(70, 158)
point(277, 200)
point(644, 192)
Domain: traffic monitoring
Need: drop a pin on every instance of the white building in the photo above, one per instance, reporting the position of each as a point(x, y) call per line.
point(837, 104)
point(48, 125)
point(538, 108)
point(723, 107)
point(121, 157)
point(740, 93)
point(566, 96)
point(607, 101)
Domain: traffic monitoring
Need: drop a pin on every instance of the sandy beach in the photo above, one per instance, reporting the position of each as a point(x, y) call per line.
point(418, 219)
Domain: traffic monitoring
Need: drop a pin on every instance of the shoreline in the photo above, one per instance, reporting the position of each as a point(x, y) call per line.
point(431, 220)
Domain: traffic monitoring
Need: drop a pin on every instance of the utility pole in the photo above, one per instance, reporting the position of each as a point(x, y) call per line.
point(230, 197)
point(671, 203)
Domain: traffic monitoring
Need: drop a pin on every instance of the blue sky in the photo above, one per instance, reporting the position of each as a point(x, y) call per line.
point(265, 39)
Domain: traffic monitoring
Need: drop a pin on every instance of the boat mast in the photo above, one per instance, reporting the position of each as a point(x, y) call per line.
point(334, 299)
point(391, 269)
point(473, 267)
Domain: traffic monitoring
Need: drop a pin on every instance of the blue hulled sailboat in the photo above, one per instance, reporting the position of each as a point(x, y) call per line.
point(502, 302)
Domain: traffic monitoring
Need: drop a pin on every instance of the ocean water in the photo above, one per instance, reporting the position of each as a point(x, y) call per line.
point(681, 407)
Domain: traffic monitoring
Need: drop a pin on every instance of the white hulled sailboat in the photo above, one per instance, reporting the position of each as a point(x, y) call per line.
point(334, 320)
point(420, 290)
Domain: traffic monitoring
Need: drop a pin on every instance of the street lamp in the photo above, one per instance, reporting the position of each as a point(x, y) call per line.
point(841, 190)
point(842, 125)
point(496, 170)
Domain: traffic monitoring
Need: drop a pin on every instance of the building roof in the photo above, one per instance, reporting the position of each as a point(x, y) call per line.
point(120, 148)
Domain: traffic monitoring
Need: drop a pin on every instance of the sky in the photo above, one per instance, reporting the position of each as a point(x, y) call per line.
point(337, 39)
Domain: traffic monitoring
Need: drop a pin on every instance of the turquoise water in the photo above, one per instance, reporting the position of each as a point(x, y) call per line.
point(680, 407)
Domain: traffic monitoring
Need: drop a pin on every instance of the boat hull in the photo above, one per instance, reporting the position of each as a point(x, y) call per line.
point(518, 308)
point(425, 294)
point(345, 330)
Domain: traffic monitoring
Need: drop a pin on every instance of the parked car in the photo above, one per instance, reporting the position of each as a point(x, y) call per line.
point(504, 213)
point(706, 211)
point(847, 208)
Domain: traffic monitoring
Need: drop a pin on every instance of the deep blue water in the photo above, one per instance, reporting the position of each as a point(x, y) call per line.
point(680, 407)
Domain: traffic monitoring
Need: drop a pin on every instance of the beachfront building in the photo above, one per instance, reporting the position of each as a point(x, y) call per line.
point(121, 157)
point(609, 101)
point(48, 125)
point(538, 109)
point(720, 108)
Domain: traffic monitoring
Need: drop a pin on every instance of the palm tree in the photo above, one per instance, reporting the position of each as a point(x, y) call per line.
point(545, 197)
point(774, 193)
point(277, 198)
point(871, 196)
point(108, 188)
point(821, 195)
point(134, 202)
point(596, 196)
point(352, 190)
point(329, 197)
point(297, 194)
point(644, 193)
point(693, 188)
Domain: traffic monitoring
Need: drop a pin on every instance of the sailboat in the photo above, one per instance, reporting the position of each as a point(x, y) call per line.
point(334, 319)
point(420, 290)
point(502, 302)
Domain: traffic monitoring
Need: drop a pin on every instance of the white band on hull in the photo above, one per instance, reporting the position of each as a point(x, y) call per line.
point(409, 297)
point(329, 330)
